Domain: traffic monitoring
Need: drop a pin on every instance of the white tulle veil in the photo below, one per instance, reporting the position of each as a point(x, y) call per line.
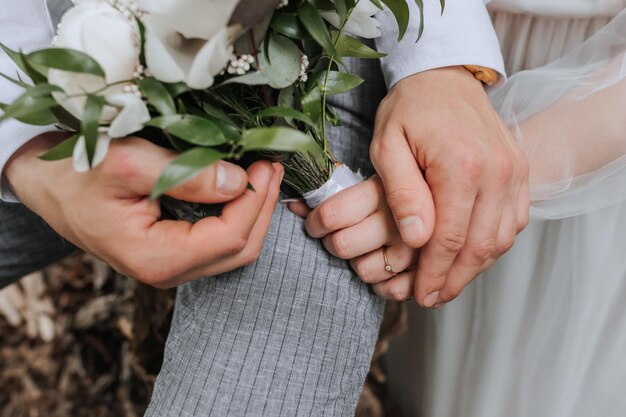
point(569, 117)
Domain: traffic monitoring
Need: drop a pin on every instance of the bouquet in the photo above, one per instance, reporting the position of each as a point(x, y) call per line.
point(215, 80)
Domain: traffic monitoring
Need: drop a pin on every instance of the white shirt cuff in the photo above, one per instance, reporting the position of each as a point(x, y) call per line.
point(463, 35)
point(19, 134)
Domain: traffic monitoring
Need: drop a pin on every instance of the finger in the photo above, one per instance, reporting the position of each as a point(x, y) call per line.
point(371, 267)
point(174, 247)
point(454, 205)
point(408, 195)
point(399, 288)
point(299, 208)
point(485, 266)
point(372, 233)
point(141, 168)
point(346, 208)
point(253, 248)
point(523, 205)
point(481, 245)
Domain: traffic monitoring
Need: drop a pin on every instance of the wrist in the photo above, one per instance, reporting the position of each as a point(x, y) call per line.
point(456, 79)
point(24, 166)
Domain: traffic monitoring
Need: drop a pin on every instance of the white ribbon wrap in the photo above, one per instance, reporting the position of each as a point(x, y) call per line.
point(342, 178)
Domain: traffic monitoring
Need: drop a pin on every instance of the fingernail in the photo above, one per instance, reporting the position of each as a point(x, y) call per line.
point(431, 299)
point(278, 168)
point(411, 227)
point(229, 179)
point(287, 201)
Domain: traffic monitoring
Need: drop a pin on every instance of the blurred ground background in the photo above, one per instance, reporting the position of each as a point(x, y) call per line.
point(79, 340)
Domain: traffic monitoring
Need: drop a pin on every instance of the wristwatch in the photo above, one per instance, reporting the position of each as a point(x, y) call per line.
point(487, 76)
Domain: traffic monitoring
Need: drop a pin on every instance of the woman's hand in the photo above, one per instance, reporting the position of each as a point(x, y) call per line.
point(357, 225)
point(107, 212)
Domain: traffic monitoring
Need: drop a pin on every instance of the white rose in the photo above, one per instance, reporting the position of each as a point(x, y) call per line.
point(80, 159)
point(99, 30)
point(187, 40)
point(193, 19)
point(131, 117)
point(361, 22)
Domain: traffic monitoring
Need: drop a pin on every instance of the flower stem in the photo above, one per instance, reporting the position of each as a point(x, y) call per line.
point(331, 61)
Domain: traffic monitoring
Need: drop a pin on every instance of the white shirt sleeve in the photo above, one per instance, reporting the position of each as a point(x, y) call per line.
point(463, 35)
point(24, 25)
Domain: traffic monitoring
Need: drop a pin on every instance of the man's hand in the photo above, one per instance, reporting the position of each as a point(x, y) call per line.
point(454, 178)
point(106, 211)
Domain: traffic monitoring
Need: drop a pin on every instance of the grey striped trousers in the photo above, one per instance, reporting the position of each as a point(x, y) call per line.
point(291, 335)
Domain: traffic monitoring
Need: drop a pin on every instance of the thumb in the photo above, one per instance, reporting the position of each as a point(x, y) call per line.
point(145, 162)
point(408, 194)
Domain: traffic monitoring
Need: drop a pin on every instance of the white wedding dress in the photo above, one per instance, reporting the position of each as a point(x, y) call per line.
point(543, 333)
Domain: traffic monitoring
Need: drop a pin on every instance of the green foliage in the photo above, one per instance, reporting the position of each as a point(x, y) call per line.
point(312, 104)
point(283, 139)
point(420, 6)
point(317, 28)
point(158, 95)
point(400, 10)
point(15, 56)
point(288, 114)
point(185, 167)
point(91, 123)
point(15, 81)
point(289, 25)
point(339, 82)
point(348, 46)
point(63, 150)
point(282, 65)
point(34, 106)
point(64, 59)
point(192, 129)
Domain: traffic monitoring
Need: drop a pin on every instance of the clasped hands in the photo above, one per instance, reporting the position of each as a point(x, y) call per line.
point(451, 196)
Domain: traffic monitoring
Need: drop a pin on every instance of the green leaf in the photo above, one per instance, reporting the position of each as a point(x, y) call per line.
point(342, 9)
point(282, 139)
point(91, 122)
point(157, 95)
point(289, 25)
point(64, 59)
point(333, 116)
point(316, 26)
point(66, 118)
point(378, 4)
point(350, 47)
point(287, 113)
point(340, 82)
point(400, 10)
point(192, 129)
point(285, 60)
point(63, 150)
point(17, 82)
point(420, 6)
point(185, 167)
point(177, 89)
point(34, 75)
point(15, 56)
point(443, 6)
point(33, 107)
point(312, 104)
point(252, 78)
point(142, 40)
